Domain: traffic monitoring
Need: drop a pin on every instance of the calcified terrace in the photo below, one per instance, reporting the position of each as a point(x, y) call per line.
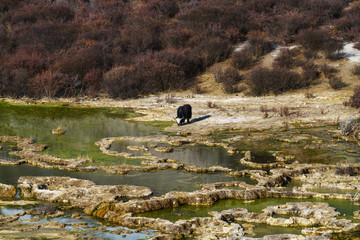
point(119, 203)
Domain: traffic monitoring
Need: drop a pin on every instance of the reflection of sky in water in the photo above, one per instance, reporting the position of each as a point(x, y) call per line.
point(160, 182)
point(68, 221)
point(133, 236)
point(84, 126)
point(199, 155)
point(10, 211)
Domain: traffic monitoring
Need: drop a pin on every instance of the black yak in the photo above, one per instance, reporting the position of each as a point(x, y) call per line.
point(183, 112)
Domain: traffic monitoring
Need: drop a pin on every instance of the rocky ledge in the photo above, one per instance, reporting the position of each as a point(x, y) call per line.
point(76, 192)
point(7, 190)
point(175, 141)
point(29, 152)
point(114, 203)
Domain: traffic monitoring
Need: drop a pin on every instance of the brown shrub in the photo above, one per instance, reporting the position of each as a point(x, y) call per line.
point(285, 59)
point(198, 89)
point(328, 70)
point(336, 82)
point(354, 100)
point(211, 104)
point(357, 45)
point(259, 45)
point(136, 40)
point(309, 95)
point(51, 84)
point(33, 58)
point(120, 82)
point(284, 112)
point(175, 37)
point(31, 13)
point(52, 35)
point(188, 60)
point(264, 109)
point(228, 76)
point(214, 49)
point(168, 8)
point(310, 54)
point(320, 40)
point(92, 82)
point(230, 87)
point(349, 24)
point(113, 11)
point(310, 72)
point(289, 24)
point(356, 70)
point(156, 76)
point(332, 49)
point(217, 72)
point(14, 83)
point(80, 59)
point(260, 81)
point(312, 39)
point(242, 59)
point(285, 80)
point(263, 81)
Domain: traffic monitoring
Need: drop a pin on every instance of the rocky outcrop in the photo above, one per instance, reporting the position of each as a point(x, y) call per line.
point(7, 190)
point(202, 228)
point(286, 237)
point(30, 154)
point(281, 157)
point(47, 210)
point(304, 214)
point(334, 178)
point(195, 169)
point(317, 216)
point(58, 131)
point(164, 149)
point(138, 148)
point(111, 203)
point(76, 192)
point(247, 161)
point(174, 141)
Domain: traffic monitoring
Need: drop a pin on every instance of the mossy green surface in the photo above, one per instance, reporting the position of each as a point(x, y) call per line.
point(159, 124)
point(83, 127)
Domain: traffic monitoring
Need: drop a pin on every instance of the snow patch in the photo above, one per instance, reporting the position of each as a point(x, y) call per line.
point(277, 50)
point(241, 46)
point(351, 53)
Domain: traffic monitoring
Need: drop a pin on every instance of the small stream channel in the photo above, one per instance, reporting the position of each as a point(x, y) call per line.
point(85, 126)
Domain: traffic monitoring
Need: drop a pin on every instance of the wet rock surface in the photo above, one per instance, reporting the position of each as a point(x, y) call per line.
point(247, 161)
point(76, 192)
point(7, 190)
point(119, 203)
point(107, 201)
point(29, 153)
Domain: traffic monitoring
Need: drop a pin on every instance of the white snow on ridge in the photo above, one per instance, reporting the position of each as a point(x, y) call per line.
point(348, 51)
point(241, 46)
point(277, 49)
point(351, 53)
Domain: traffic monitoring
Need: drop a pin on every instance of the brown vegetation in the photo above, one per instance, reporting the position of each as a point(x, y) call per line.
point(129, 48)
point(263, 81)
point(354, 100)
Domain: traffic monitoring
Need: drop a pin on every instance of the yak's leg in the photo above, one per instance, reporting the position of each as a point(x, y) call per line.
point(182, 121)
